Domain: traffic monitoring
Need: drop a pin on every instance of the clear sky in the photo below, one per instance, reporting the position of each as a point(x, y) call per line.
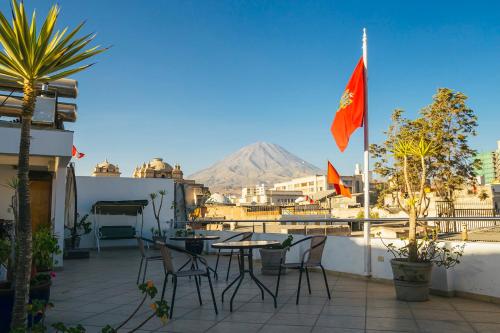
point(192, 81)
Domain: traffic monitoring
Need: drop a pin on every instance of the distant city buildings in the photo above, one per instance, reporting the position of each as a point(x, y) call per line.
point(489, 172)
point(260, 195)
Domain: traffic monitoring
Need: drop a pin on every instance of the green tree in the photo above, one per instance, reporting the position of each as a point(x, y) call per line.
point(447, 122)
point(30, 56)
point(431, 151)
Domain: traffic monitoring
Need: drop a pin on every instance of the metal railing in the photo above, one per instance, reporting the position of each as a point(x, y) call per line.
point(444, 224)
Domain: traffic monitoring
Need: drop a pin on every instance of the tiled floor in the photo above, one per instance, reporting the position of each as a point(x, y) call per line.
point(102, 291)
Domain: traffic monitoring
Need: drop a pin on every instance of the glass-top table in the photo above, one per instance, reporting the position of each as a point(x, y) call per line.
point(246, 248)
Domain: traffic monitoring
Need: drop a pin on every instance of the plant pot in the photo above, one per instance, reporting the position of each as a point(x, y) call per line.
point(6, 304)
point(195, 246)
point(411, 280)
point(39, 292)
point(271, 260)
point(68, 243)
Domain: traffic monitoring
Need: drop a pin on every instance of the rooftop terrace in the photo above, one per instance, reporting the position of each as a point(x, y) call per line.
point(102, 290)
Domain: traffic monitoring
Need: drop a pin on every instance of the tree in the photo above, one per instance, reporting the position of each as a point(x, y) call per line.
point(156, 211)
point(448, 122)
point(29, 57)
point(430, 152)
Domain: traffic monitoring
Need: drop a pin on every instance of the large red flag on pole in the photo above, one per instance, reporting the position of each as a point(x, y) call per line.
point(334, 179)
point(351, 110)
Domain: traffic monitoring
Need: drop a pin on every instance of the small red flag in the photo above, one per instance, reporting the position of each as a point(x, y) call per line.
point(76, 153)
point(351, 110)
point(333, 178)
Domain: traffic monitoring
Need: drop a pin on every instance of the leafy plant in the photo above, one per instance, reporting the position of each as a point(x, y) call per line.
point(285, 244)
point(45, 246)
point(82, 227)
point(429, 249)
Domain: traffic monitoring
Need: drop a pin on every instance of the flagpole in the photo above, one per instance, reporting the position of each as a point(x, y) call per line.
point(366, 160)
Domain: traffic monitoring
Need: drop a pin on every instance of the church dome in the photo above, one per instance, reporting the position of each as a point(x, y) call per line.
point(105, 168)
point(159, 165)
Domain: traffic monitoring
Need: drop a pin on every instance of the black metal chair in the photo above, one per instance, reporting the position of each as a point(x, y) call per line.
point(145, 257)
point(310, 258)
point(194, 271)
point(242, 237)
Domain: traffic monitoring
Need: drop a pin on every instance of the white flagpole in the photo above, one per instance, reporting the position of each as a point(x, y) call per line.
point(366, 160)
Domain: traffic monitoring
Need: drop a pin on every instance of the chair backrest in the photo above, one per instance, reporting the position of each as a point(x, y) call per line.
point(316, 250)
point(166, 255)
point(142, 250)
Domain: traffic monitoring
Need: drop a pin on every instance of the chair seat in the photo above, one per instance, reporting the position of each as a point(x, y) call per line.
point(191, 272)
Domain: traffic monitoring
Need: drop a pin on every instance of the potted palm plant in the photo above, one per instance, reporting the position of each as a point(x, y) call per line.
point(414, 259)
point(274, 256)
point(33, 56)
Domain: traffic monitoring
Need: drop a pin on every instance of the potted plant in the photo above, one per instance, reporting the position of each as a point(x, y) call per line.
point(45, 246)
point(272, 257)
point(82, 227)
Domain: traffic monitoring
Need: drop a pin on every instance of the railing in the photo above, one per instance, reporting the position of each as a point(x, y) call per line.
point(286, 210)
point(444, 224)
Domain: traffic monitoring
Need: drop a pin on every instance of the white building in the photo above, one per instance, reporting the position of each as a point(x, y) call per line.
point(260, 195)
point(50, 152)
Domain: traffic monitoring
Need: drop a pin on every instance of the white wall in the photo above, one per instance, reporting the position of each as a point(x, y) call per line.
point(92, 189)
point(43, 142)
point(478, 272)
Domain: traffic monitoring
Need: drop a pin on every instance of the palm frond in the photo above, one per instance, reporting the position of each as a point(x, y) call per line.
point(44, 55)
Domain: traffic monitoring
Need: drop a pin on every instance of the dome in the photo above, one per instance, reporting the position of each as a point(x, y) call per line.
point(106, 169)
point(218, 199)
point(158, 165)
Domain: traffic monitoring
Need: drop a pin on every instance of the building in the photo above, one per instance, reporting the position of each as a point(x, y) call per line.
point(106, 169)
point(311, 185)
point(157, 168)
point(489, 172)
point(260, 195)
point(50, 151)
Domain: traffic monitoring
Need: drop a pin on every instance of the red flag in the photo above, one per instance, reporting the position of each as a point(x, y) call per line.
point(351, 110)
point(76, 153)
point(333, 178)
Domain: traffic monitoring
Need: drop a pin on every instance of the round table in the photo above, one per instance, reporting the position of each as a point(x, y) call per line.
point(246, 248)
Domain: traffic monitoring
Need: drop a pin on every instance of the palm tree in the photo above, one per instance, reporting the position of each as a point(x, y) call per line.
point(30, 57)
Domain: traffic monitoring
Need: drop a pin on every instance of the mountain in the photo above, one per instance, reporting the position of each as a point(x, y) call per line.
point(258, 163)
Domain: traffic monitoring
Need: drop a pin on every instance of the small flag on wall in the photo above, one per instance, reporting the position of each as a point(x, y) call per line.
point(351, 109)
point(75, 153)
point(333, 178)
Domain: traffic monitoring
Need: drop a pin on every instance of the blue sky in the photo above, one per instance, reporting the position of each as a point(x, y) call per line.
point(192, 81)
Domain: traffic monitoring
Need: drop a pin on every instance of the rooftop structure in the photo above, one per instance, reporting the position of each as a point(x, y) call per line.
point(260, 195)
point(106, 169)
point(157, 168)
point(489, 172)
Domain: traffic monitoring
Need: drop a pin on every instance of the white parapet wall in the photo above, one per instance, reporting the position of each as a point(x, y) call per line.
point(476, 275)
point(93, 189)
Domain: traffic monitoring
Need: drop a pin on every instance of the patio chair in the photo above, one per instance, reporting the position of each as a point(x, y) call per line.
point(194, 271)
point(242, 237)
point(145, 257)
point(311, 258)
